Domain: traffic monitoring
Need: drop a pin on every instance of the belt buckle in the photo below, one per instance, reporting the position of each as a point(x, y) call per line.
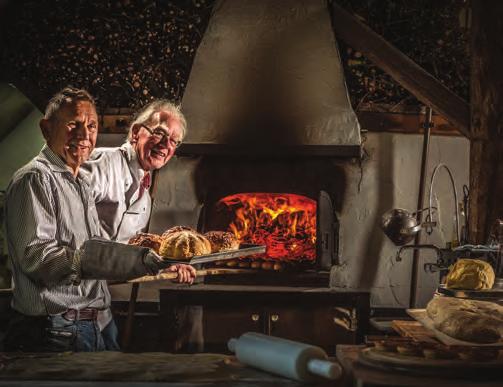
point(71, 315)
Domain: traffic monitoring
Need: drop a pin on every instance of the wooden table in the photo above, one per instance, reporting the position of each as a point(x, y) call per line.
point(360, 375)
point(116, 368)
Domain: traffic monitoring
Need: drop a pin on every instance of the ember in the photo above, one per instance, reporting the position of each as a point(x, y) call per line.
point(285, 223)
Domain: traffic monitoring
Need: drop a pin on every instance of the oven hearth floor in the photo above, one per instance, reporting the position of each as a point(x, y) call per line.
point(273, 278)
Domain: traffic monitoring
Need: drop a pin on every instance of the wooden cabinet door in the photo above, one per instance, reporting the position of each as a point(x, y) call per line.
point(321, 326)
point(222, 323)
point(290, 323)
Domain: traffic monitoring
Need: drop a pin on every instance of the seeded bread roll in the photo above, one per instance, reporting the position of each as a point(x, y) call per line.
point(184, 245)
point(152, 241)
point(222, 241)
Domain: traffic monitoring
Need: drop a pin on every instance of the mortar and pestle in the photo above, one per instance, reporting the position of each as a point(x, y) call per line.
point(283, 357)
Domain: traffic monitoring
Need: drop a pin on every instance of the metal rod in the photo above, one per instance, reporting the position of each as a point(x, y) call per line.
point(420, 199)
point(456, 211)
point(128, 327)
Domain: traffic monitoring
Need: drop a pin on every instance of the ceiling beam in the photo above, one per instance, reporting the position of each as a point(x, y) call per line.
point(402, 69)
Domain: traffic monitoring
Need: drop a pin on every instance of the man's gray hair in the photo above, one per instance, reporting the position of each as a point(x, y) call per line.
point(66, 96)
point(159, 105)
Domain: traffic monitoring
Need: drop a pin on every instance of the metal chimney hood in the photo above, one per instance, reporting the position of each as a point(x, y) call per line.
point(267, 79)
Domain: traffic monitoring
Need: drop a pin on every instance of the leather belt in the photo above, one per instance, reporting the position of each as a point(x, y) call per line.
point(89, 314)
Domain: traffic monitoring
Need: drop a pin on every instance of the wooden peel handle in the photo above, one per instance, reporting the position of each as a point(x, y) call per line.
point(174, 275)
point(160, 276)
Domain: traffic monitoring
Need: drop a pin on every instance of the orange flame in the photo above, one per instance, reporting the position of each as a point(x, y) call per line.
point(285, 223)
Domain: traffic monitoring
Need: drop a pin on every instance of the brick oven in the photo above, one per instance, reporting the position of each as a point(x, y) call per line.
point(270, 128)
point(270, 125)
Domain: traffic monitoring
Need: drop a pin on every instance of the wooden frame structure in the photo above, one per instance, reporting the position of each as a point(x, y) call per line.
point(481, 122)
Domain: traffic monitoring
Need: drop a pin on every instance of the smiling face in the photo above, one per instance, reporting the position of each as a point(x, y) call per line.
point(154, 151)
point(71, 132)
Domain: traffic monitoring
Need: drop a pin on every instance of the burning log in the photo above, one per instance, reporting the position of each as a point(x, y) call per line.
point(285, 223)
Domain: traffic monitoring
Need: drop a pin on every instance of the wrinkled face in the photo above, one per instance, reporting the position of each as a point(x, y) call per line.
point(71, 132)
point(154, 151)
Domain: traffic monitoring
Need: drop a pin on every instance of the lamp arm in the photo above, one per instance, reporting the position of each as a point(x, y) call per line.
point(456, 214)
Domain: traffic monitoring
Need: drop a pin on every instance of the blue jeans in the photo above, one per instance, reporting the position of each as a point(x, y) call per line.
point(56, 334)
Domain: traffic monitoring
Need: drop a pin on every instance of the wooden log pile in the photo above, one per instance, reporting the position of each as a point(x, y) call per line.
point(433, 34)
point(127, 52)
point(124, 52)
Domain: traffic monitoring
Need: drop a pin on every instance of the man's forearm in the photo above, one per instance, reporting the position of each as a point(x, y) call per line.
point(103, 259)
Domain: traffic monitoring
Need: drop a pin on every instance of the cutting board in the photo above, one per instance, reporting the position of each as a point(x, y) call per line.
point(422, 317)
point(414, 330)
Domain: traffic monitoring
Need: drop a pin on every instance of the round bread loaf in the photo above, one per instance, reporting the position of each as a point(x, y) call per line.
point(470, 274)
point(152, 241)
point(184, 245)
point(222, 241)
point(177, 229)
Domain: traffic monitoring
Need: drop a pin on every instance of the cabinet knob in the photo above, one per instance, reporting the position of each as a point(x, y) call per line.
point(255, 317)
point(274, 317)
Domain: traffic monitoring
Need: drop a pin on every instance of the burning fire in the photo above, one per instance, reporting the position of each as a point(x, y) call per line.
point(285, 223)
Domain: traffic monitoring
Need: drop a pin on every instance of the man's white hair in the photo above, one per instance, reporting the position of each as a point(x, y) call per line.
point(157, 106)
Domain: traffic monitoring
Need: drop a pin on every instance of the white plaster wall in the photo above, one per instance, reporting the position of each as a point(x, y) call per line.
point(286, 48)
point(390, 179)
point(20, 146)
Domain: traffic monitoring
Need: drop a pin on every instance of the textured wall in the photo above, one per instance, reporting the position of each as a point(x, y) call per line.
point(269, 71)
point(390, 179)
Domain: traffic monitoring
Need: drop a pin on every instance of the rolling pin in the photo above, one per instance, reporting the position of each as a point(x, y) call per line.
point(283, 357)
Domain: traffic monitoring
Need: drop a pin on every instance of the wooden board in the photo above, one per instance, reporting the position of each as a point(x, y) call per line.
point(415, 330)
point(422, 317)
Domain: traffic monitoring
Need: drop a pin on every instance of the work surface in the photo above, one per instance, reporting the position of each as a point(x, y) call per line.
point(133, 369)
point(362, 375)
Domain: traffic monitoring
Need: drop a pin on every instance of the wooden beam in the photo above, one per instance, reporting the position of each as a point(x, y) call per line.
point(408, 123)
point(401, 68)
point(486, 151)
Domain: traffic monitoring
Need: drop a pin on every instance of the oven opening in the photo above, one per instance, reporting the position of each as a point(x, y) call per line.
point(285, 223)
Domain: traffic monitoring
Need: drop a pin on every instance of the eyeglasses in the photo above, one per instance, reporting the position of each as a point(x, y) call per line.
point(160, 133)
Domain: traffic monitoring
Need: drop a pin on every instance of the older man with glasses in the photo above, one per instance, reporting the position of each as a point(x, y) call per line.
point(122, 176)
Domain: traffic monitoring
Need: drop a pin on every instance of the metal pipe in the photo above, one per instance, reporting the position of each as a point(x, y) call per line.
point(420, 199)
point(456, 211)
point(135, 287)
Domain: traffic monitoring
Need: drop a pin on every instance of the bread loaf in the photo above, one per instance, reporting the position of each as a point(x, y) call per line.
point(172, 230)
point(467, 320)
point(222, 241)
point(152, 241)
point(472, 274)
point(184, 245)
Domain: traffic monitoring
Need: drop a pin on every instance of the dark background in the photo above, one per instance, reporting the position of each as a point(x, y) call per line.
point(127, 52)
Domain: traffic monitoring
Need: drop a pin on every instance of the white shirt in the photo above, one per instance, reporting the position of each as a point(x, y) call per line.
point(115, 176)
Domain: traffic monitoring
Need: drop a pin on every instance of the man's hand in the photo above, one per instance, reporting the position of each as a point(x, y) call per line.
point(186, 273)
